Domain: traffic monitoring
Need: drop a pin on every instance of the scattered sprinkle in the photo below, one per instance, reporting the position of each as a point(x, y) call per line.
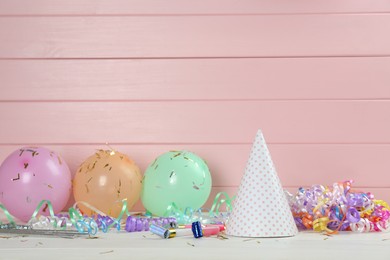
point(188, 243)
point(222, 237)
point(25, 165)
point(106, 252)
point(195, 186)
point(92, 237)
point(18, 178)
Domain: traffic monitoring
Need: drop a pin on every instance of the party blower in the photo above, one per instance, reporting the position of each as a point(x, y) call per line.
point(196, 230)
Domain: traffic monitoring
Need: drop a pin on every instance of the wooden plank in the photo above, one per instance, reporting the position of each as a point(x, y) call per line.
point(297, 164)
point(164, 7)
point(379, 193)
point(195, 122)
point(195, 36)
point(196, 79)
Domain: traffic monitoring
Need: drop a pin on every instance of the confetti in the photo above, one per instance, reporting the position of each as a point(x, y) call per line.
point(222, 237)
point(106, 252)
point(188, 159)
point(18, 178)
point(48, 185)
point(195, 186)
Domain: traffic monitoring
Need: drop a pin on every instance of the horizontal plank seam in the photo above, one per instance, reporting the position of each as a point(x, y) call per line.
point(192, 143)
point(202, 57)
point(195, 100)
point(21, 15)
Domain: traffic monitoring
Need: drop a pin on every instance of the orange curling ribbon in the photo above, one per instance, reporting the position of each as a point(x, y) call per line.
point(307, 220)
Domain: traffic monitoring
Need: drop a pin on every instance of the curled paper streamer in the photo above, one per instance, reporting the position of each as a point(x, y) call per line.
point(212, 216)
point(137, 224)
point(339, 208)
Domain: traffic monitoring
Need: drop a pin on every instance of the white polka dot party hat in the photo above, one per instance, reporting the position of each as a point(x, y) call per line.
point(260, 208)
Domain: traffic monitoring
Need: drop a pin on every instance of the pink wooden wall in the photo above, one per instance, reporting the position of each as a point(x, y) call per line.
point(149, 76)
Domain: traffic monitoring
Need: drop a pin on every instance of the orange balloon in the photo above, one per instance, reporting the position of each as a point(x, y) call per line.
point(104, 180)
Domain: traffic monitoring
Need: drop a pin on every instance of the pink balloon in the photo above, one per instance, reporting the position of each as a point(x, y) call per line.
point(30, 175)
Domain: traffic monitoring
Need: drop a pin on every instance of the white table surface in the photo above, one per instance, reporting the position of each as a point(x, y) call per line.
point(144, 245)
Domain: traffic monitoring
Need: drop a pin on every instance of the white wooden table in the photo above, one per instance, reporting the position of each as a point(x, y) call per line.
point(144, 245)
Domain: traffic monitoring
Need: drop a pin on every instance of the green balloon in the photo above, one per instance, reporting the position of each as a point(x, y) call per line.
point(179, 177)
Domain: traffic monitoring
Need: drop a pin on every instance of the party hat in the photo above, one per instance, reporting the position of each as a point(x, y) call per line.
point(260, 208)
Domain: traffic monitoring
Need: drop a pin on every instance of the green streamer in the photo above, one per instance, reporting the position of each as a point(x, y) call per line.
point(8, 215)
point(49, 205)
point(219, 202)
